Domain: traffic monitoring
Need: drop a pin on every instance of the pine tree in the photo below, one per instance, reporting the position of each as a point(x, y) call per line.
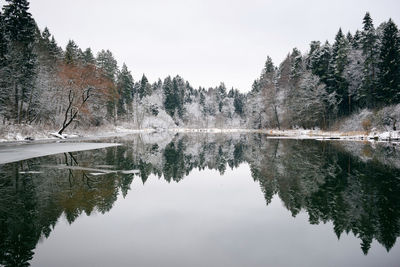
point(320, 60)
point(145, 87)
point(337, 82)
point(88, 57)
point(54, 50)
point(125, 85)
point(106, 61)
point(238, 103)
point(3, 42)
point(19, 31)
point(3, 83)
point(71, 55)
point(296, 68)
point(315, 47)
point(169, 97)
point(370, 52)
point(389, 65)
point(221, 94)
point(178, 87)
point(356, 43)
point(46, 35)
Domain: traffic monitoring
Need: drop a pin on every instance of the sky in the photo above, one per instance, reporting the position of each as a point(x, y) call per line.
point(204, 41)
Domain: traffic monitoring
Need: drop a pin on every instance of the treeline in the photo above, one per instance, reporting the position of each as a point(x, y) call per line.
point(360, 70)
point(42, 83)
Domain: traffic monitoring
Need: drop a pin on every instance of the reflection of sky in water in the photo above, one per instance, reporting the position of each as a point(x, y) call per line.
point(204, 220)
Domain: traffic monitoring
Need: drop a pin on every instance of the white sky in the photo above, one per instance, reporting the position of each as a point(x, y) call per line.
point(204, 41)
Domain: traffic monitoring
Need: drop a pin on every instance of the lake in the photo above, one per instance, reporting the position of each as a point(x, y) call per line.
point(204, 200)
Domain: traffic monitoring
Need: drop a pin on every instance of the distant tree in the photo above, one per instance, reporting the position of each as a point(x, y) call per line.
point(221, 94)
point(125, 85)
point(319, 62)
point(268, 84)
point(108, 64)
point(71, 55)
point(169, 97)
point(145, 87)
point(105, 60)
point(238, 104)
point(88, 57)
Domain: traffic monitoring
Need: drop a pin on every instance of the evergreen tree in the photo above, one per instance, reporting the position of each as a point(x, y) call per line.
point(169, 97)
point(356, 43)
point(106, 61)
point(88, 57)
point(238, 103)
point(19, 31)
point(337, 82)
point(319, 62)
point(46, 35)
point(315, 47)
point(178, 87)
point(145, 87)
point(3, 83)
point(108, 64)
point(296, 69)
point(3, 43)
point(125, 90)
point(71, 55)
point(389, 65)
point(370, 52)
point(221, 94)
point(54, 50)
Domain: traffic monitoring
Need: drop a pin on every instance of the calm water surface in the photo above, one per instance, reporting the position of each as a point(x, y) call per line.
point(204, 200)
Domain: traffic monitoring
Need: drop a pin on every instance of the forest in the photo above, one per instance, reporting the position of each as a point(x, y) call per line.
point(44, 85)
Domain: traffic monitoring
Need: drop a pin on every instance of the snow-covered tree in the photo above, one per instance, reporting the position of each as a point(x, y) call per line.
point(18, 70)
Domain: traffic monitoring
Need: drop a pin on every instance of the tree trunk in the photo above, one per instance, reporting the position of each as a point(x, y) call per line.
point(16, 102)
point(29, 105)
point(276, 117)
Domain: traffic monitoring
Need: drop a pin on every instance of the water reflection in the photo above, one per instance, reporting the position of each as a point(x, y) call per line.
point(355, 186)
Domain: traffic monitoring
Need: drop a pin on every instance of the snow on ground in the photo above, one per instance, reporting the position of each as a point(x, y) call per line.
point(160, 128)
point(331, 135)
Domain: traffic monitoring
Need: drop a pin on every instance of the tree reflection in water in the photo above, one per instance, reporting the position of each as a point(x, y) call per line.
point(356, 186)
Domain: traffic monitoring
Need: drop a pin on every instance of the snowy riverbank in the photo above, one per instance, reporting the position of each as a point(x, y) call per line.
point(335, 135)
point(28, 133)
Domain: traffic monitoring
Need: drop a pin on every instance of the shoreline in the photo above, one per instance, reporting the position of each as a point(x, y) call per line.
point(118, 131)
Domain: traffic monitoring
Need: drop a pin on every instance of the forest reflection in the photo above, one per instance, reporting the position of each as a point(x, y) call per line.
point(355, 186)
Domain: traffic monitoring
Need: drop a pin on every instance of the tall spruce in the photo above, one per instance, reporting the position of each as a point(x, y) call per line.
point(145, 87)
point(88, 57)
point(389, 65)
point(105, 60)
point(369, 45)
point(71, 55)
point(108, 64)
point(337, 82)
point(19, 32)
point(125, 85)
point(169, 97)
point(319, 62)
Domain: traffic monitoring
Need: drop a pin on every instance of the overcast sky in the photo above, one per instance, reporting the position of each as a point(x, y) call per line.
point(204, 41)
